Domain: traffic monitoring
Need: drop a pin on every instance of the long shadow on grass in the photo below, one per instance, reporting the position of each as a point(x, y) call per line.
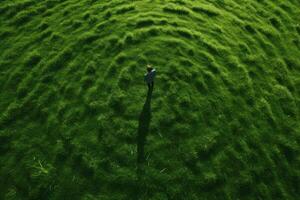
point(143, 129)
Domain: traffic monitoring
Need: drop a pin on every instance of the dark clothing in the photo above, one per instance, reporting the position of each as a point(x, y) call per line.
point(150, 85)
point(149, 78)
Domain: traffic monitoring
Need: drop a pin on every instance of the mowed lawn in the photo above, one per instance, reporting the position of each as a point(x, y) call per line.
point(77, 122)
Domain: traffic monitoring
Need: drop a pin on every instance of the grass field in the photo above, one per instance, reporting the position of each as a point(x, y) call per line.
point(223, 120)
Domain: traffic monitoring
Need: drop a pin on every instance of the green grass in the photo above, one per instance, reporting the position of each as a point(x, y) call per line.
point(222, 122)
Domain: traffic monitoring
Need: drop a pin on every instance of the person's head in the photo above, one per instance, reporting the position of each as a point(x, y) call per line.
point(149, 68)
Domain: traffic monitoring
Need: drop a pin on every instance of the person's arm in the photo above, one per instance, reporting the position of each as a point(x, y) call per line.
point(153, 73)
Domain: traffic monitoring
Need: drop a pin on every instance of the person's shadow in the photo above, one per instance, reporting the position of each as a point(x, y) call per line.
point(143, 129)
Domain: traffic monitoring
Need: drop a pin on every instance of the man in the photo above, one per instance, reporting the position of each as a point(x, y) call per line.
point(149, 77)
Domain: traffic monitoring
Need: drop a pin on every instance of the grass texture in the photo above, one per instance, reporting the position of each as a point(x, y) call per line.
point(223, 120)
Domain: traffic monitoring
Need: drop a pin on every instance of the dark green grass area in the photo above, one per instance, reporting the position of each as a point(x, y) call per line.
point(77, 121)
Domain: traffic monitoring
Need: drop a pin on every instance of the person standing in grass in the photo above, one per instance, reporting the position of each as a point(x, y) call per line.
point(149, 76)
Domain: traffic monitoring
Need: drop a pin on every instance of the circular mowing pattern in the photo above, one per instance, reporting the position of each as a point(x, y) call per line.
point(222, 123)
